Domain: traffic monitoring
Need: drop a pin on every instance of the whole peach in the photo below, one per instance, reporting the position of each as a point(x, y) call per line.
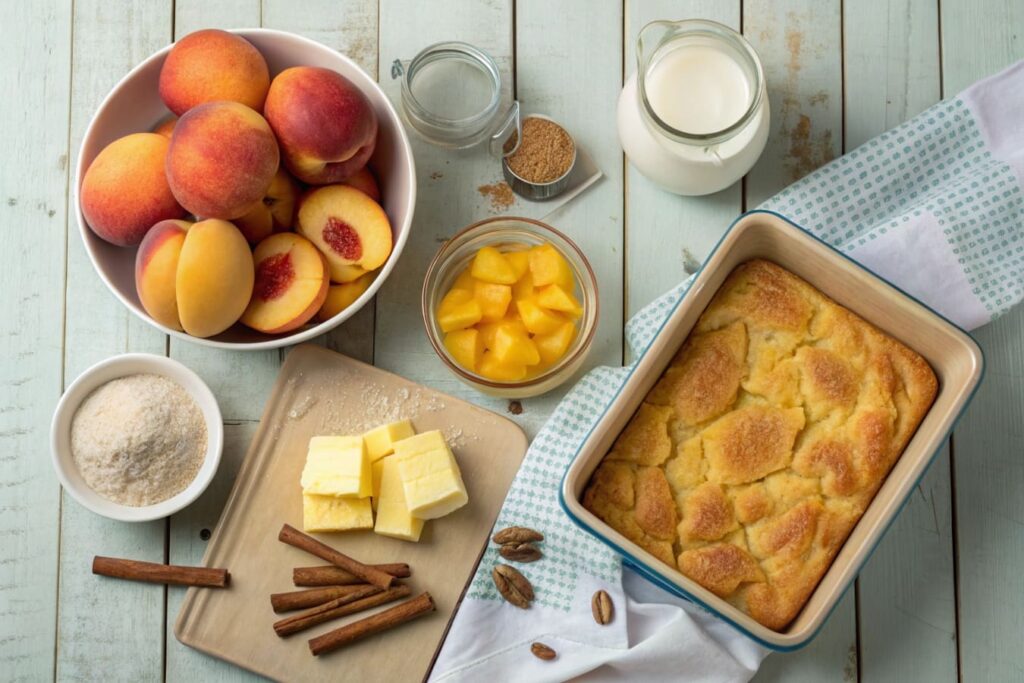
point(222, 158)
point(125, 191)
point(211, 65)
point(274, 213)
point(326, 126)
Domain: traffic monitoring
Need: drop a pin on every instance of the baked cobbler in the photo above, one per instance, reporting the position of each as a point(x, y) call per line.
point(759, 448)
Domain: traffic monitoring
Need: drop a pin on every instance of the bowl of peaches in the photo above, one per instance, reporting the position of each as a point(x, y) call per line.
point(245, 189)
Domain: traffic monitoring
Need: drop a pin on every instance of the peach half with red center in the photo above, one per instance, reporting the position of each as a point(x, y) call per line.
point(125, 191)
point(348, 227)
point(211, 65)
point(291, 284)
point(222, 159)
point(274, 213)
point(326, 126)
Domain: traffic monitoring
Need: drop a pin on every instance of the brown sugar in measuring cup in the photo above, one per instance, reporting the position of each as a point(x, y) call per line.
point(540, 168)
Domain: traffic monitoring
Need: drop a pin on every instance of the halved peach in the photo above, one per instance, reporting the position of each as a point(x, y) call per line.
point(274, 213)
point(364, 181)
point(214, 278)
point(156, 267)
point(348, 227)
point(466, 346)
point(291, 284)
point(340, 297)
point(346, 274)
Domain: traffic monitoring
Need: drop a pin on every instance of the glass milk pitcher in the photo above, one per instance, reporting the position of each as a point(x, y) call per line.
point(694, 117)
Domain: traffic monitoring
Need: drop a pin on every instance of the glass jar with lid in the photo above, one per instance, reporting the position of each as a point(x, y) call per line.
point(694, 116)
point(452, 97)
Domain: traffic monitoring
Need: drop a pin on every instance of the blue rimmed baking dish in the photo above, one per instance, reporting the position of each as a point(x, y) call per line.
point(953, 355)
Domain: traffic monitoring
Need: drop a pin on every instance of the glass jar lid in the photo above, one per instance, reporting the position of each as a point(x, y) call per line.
point(451, 96)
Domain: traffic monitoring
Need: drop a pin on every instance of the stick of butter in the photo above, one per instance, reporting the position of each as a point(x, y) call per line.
point(393, 518)
point(430, 476)
point(380, 440)
point(337, 466)
point(330, 513)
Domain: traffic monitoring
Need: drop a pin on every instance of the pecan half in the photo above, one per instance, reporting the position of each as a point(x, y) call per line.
point(517, 534)
point(520, 552)
point(602, 607)
point(542, 651)
point(513, 586)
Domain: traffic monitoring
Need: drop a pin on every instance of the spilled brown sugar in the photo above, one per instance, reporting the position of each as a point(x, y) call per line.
point(500, 195)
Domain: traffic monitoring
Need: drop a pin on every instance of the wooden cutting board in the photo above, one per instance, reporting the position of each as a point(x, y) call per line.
point(322, 392)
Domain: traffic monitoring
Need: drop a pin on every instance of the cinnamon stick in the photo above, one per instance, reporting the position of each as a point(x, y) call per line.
point(296, 538)
point(389, 618)
point(286, 602)
point(336, 609)
point(151, 572)
point(329, 575)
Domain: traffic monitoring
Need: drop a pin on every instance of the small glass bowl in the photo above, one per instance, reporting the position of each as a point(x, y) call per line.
point(509, 233)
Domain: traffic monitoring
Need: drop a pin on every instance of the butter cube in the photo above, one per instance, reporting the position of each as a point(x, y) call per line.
point(378, 469)
point(380, 440)
point(393, 518)
point(432, 483)
point(421, 443)
point(330, 513)
point(334, 442)
point(337, 468)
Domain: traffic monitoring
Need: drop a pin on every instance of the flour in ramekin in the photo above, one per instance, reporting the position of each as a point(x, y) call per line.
point(138, 440)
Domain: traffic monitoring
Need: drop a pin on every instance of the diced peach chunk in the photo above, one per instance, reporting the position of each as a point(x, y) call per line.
point(520, 261)
point(554, 345)
point(549, 267)
point(538, 320)
point(466, 347)
point(465, 281)
point(488, 330)
point(490, 265)
point(514, 348)
point(558, 298)
point(523, 288)
point(491, 368)
point(458, 310)
point(493, 299)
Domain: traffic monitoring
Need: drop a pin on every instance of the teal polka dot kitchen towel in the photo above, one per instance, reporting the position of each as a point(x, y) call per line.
point(934, 206)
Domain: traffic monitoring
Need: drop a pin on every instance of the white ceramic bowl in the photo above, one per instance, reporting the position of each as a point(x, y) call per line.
point(113, 368)
point(134, 106)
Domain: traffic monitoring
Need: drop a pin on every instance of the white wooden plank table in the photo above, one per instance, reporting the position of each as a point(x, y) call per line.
point(941, 599)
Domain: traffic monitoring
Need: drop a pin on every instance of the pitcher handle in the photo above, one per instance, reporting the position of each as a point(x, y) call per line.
point(512, 122)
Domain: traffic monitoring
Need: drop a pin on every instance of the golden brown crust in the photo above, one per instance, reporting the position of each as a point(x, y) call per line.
point(764, 441)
